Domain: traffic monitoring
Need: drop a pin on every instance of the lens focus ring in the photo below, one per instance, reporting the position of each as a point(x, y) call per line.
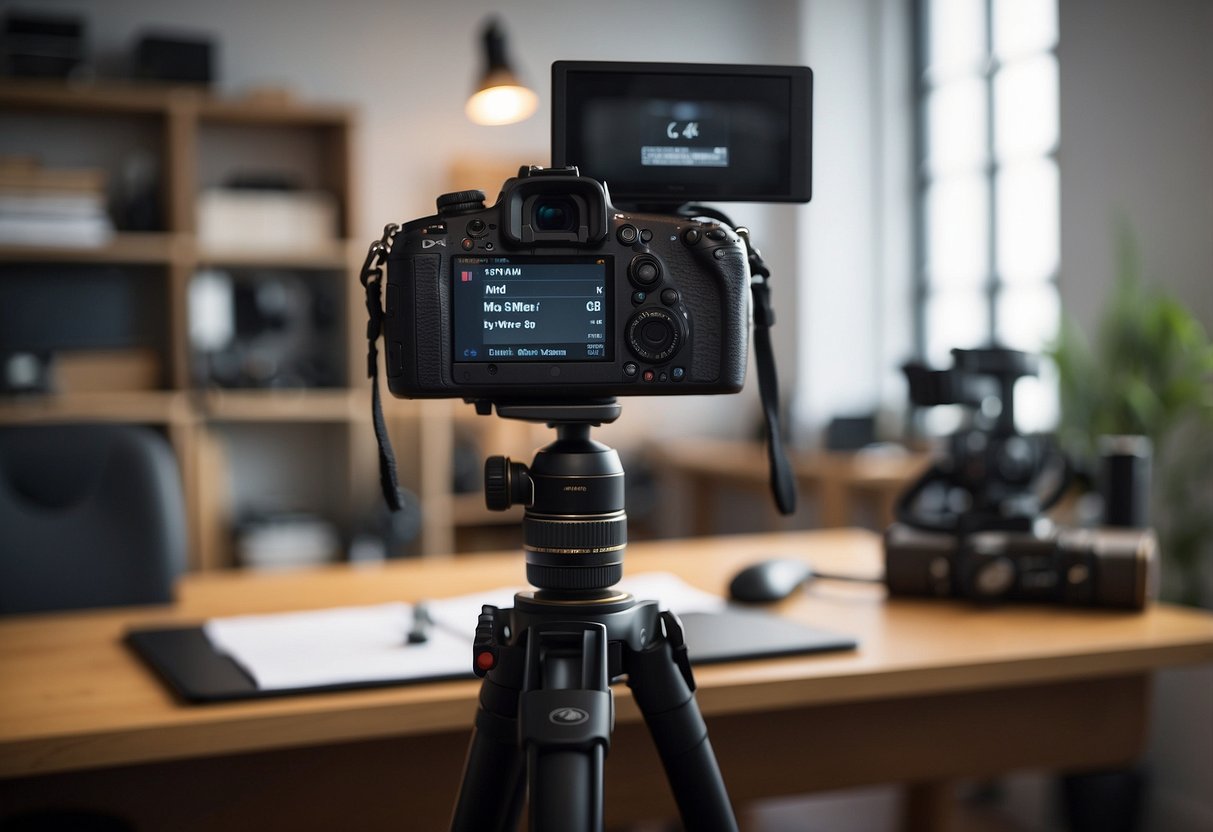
point(575, 537)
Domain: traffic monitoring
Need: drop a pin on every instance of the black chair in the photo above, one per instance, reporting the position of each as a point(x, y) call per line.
point(91, 515)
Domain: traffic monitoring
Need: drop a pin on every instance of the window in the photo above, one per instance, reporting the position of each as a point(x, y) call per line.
point(988, 207)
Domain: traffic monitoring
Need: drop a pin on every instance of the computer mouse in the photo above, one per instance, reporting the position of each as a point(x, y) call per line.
point(769, 580)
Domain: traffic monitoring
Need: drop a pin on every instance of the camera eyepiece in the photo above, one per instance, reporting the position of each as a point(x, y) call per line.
point(555, 213)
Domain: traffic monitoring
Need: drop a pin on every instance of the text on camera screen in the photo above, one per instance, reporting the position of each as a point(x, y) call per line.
point(531, 309)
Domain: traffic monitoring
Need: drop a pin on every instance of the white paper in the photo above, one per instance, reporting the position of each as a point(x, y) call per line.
point(349, 645)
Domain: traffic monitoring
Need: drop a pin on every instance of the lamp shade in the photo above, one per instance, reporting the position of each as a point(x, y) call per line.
point(500, 98)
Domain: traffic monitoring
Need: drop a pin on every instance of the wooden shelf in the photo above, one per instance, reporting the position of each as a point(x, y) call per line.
point(109, 97)
point(273, 110)
point(303, 405)
point(142, 247)
point(333, 255)
point(151, 98)
point(150, 406)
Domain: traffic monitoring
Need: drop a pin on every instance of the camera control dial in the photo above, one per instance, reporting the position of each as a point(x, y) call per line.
point(460, 202)
point(654, 334)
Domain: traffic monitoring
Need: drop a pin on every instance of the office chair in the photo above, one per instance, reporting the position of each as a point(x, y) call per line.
point(91, 515)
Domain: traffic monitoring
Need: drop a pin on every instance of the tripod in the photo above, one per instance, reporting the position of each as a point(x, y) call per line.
point(546, 710)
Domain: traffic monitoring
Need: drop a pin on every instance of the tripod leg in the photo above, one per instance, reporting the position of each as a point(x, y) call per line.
point(565, 724)
point(490, 796)
point(660, 679)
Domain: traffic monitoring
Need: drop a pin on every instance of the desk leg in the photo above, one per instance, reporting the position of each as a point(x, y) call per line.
point(928, 807)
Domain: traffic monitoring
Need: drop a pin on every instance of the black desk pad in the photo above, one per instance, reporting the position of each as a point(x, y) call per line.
point(186, 662)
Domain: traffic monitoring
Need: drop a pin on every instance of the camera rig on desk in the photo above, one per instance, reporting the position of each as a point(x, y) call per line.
point(548, 305)
point(974, 525)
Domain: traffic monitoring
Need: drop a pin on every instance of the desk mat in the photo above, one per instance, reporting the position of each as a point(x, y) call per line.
point(186, 662)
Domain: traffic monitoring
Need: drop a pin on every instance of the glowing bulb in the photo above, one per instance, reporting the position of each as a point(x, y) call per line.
point(502, 104)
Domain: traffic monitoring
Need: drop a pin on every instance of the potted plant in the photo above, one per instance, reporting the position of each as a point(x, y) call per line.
point(1149, 372)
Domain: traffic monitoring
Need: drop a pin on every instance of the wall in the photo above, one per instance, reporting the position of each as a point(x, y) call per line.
point(1137, 145)
point(410, 66)
point(1136, 131)
point(854, 316)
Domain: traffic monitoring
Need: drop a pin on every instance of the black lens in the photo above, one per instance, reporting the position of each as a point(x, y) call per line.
point(555, 213)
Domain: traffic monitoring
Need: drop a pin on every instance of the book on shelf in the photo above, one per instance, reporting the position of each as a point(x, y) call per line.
point(53, 206)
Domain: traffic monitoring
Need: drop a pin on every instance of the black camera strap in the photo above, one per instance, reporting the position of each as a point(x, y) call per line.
point(783, 483)
point(372, 279)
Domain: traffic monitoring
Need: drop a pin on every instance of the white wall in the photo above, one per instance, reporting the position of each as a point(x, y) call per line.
point(1136, 144)
point(854, 315)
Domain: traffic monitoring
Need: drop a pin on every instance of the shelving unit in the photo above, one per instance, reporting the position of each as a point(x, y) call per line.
point(201, 421)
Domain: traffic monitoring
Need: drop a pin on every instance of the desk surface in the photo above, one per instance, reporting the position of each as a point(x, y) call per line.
point(72, 697)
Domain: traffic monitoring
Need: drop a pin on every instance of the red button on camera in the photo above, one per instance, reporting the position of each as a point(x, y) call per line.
point(649, 375)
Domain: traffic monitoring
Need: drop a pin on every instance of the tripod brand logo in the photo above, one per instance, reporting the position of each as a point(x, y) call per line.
point(568, 716)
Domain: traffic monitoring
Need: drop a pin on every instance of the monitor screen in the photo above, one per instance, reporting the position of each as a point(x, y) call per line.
point(662, 133)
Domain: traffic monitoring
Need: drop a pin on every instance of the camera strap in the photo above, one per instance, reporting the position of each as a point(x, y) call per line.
point(372, 279)
point(783, 483)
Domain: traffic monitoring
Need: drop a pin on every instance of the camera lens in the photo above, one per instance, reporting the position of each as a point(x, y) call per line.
point(555, 213)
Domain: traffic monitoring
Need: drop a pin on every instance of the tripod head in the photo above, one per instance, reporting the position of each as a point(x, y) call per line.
point(574, 527)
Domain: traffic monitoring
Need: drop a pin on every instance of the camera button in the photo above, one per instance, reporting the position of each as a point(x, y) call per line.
point(718, 234)
point(467, 244)
point(627, 234)
point(644, 270)
point(669, 296)
point(477, 228)
point(678, 373)
point(691, 236)
point(645, 235)
point(639, 297)
point(649, 375)
point(720, 253)
point(662, 376)
point(630, 370)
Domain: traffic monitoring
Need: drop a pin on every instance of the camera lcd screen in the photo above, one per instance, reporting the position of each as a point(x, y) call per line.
point(682, 132)
point(531, 308)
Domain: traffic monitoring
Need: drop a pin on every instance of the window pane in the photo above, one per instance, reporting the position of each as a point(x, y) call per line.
point(1025, 107)
point(955, 319)
point(956, 36)
point(958, 233)
point(1036, 400)
point(1028, 222)
point(1024, 26)
point(956, 127)
point(1027, 318)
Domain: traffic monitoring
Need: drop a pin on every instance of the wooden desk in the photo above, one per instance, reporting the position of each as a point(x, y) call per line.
point(937, 690)
point(839, 482)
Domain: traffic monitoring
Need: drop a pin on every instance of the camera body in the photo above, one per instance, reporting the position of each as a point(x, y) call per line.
point(554, 295)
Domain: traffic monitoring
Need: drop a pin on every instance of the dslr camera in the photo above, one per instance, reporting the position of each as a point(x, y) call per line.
point(553, 292)
point(557, 294)
point(973, 525)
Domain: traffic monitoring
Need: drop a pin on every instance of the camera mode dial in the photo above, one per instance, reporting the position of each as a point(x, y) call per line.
point(460, 202)
point(654, 334)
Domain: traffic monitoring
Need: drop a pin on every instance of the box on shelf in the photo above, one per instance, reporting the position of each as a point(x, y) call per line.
point(97, 371)
point(260, 221)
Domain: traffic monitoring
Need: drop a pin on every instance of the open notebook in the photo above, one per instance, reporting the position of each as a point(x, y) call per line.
point(349, 647)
